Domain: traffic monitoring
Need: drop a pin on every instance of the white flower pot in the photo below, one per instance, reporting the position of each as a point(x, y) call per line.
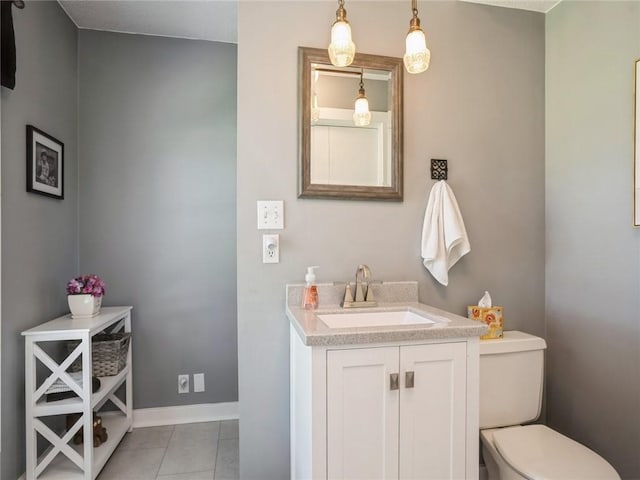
point(84, 305)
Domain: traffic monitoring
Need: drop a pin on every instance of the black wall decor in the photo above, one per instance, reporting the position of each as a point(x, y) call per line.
point(7, 46)
point(439, 169)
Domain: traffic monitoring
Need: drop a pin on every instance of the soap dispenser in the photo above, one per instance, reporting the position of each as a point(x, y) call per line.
point(310, 294)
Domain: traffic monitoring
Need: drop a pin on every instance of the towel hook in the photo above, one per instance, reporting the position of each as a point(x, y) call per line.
point(439, 169)
point(19, 4)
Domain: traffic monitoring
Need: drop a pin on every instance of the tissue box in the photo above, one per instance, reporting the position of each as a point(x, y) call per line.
point(491, 316)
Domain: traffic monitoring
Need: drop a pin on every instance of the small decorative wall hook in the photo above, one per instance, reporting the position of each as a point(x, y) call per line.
point(439, 169)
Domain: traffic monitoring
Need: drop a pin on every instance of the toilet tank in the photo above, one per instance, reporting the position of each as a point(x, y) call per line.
point(511, 378)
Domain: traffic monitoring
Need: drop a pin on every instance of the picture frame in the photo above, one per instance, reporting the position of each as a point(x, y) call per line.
point(45, 164)
point(636, 147)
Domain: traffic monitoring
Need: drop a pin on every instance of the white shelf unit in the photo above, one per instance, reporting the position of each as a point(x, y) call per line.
point(63, 460)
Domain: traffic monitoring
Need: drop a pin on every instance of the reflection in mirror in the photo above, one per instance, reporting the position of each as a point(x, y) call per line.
point(344, 155)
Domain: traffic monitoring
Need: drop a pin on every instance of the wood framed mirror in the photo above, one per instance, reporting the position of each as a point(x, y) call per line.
point(338, 159)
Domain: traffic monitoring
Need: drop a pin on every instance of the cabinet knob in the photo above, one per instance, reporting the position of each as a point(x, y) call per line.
point(408, 379)
point(394, 383)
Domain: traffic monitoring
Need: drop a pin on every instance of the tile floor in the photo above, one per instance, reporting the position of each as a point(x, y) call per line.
point(194, 451)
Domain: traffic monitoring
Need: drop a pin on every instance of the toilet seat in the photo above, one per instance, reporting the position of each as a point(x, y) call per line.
point(539, 453)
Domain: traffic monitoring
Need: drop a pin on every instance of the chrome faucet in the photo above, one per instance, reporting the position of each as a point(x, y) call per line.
point(363, 294)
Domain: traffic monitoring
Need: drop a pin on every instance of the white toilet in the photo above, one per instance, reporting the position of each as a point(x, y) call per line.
point(511, 379)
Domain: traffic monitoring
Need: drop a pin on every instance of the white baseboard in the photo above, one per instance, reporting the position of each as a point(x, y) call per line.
point(204, 412)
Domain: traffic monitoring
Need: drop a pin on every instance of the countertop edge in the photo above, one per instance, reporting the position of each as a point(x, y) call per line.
point(314, 333)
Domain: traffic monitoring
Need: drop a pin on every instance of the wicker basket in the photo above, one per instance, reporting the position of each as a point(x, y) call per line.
point(108, 351)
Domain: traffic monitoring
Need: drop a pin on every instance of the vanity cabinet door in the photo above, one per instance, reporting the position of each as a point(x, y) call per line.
point(414, 428)
point(433, 411)
point(362, 414)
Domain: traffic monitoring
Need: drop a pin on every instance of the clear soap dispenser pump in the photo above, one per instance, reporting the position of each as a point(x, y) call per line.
point(310, 294)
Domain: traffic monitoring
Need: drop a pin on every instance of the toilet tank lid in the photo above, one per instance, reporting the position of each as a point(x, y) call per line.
point(513, 341)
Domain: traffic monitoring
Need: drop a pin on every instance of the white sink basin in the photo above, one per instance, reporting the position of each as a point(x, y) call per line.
point(377, 319)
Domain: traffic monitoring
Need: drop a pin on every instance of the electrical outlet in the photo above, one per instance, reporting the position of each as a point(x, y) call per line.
point(271, 248)
point(183, 383)
point(198, 382)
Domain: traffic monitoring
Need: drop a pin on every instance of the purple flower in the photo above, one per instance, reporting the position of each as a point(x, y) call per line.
point(87, 284)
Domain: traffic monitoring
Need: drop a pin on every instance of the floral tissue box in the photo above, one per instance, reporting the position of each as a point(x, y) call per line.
point(491, 316)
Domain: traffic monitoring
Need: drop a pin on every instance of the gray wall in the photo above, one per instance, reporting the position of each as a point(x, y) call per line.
point(157, 145)
point(39, 234)
point(480, 105)
point(593, 260)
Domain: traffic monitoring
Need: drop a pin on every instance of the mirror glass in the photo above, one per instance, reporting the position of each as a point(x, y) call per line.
point(339, 159)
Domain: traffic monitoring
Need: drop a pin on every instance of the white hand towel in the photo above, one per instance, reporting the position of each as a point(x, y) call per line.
point(444, 238)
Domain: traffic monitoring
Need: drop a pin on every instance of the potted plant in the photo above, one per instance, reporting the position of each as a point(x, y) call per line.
point(85, 295)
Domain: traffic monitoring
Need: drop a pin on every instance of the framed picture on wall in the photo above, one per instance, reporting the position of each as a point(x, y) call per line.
point(45, 163)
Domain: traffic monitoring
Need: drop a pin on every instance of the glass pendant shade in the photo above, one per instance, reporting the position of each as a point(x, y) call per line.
point(361, 114)
point(342, 49)
point(417, 55)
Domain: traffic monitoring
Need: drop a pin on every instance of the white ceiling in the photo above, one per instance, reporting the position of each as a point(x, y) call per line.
point(534, 5)
point(214, 20)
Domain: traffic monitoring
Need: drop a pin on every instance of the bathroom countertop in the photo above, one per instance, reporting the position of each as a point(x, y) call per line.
point(314, 332)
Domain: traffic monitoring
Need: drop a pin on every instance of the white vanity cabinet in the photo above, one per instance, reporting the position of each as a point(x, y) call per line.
point(405, 410)
point(397, 410)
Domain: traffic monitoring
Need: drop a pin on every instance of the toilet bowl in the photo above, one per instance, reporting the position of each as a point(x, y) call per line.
point(511, 372)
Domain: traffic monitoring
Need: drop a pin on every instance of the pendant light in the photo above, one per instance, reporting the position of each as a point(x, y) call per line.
point(342, 49)
point(361, 115)
point(417, 55)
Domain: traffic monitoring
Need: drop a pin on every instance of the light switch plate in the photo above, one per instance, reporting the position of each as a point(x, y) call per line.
point(270, 214)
